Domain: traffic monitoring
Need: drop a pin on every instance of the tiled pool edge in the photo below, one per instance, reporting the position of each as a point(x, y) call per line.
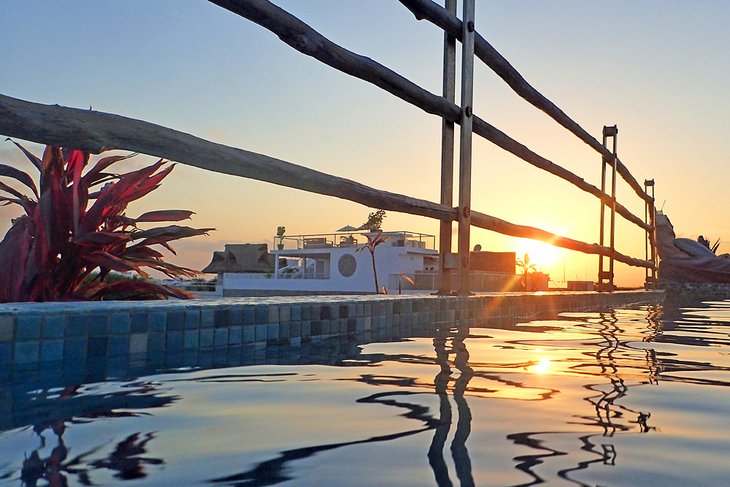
point(34, 334)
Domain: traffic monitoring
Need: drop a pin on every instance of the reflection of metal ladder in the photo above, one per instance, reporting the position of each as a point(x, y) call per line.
point(605, 277)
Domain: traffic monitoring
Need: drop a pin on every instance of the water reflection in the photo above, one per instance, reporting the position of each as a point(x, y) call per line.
point(74, 407)
point(446, 344)
point(561, 401)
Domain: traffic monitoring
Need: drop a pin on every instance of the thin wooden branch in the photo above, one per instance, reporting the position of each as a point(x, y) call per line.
point(437, 15)
point(308, 41)
point(506, 228)
point(97, 132)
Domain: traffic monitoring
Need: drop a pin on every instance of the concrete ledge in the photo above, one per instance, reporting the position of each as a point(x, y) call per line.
point(34, 334)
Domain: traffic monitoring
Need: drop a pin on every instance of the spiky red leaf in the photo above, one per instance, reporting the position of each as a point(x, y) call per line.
point(102, 238)
point(14, 250)
point(164, 215)
point(31, 157)
point(19, 175)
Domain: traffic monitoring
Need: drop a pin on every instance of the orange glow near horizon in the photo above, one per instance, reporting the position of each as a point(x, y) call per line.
point(543, 255)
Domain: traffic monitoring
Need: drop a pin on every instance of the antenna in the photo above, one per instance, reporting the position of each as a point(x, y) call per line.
point(662, 208)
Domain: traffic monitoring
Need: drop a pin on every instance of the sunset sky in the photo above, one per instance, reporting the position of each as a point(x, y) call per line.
point(660, 70)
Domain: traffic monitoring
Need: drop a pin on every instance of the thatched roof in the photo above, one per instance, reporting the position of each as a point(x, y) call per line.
point(242, 258)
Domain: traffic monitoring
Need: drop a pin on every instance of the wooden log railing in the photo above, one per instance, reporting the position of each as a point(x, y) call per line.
point(306, 40)
point(96, 132)
point(437, 15)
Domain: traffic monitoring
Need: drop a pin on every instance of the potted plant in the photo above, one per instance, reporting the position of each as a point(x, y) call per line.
point(280, 231)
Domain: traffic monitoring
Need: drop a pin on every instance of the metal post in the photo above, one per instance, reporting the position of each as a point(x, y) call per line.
point(650, 244)
point(613, 208)
point(467, 89)
point(447, 156)
point(605, 278)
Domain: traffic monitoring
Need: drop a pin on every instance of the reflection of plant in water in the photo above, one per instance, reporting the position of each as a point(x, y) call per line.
point(72, 406)
point(55, 468)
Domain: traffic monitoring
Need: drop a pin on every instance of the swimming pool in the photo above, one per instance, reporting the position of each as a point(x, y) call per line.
point(621, 397)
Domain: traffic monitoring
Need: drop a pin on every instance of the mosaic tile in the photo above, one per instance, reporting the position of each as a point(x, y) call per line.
point(53, 326)
point(120, 323)
point(28, 327)
point(51, 350)
point(206, 338)
point(138, 343)
point(175, 321)
point(26, 352)
point(157, 321)
point(7, 328)
point(192, 339)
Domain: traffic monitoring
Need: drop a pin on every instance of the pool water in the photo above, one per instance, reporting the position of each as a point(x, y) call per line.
point(617, 398)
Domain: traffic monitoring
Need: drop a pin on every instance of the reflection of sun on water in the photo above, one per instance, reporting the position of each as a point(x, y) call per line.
point(542, 367)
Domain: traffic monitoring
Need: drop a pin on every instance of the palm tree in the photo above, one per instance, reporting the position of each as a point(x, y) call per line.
point(373, 241)
point(526, 267)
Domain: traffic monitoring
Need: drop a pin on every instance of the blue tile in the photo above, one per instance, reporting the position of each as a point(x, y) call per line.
point(260, 333)
point(220, 317)
point(272, 331)
point(206, 338)
point(118, 346)
point(28, 327)
point(52, 351)
point(221, 337)
point(53, 326)
point(235, 316)
point(207, 317)
point(295, 330)
point(306, 329)
point(284, 330)
point(97, 347)
point(316, 328)
point(249, 333)
point(97, 325)
point(284, 313)
point(262, 314)
point(138, 343)
point(296, 313)
point(120, 323)
point(6, 353)
point(192, 319)
point(325, 313)
point(192, 339)
point(175, 341)
point(156, 342)
point(249, 315)
point(26, 353)
point(307, 312)
point(7, 328)
point(139, 323)
point(157, 321)
point(175, 321)
point(234, 335)
point(75, 348)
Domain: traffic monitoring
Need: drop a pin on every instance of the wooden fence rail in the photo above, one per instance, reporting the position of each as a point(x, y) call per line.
point(96, 132)
point(306, 40)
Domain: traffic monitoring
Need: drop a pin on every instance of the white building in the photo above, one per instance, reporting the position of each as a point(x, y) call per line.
point(328, 263)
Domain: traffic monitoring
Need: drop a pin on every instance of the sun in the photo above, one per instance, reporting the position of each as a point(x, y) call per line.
point(543, 255)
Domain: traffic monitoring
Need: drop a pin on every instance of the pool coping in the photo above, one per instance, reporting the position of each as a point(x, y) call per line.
point(37, 334)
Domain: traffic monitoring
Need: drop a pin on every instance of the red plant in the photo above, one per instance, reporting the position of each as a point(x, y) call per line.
point(74, 224)
point(373, 242)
